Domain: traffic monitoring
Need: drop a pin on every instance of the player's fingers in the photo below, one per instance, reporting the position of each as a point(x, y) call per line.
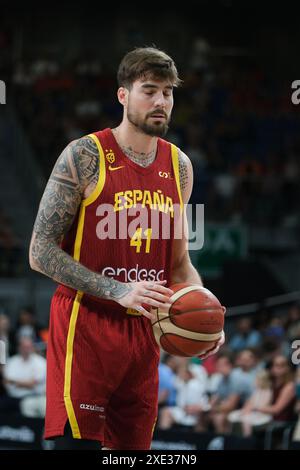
point(221, 340)
point(215, 350)
point(151, 284)
point(149, 315)
point(160, 288)
point(154, 303)
point(204, 356)
point(145, 312)
point(156, 295)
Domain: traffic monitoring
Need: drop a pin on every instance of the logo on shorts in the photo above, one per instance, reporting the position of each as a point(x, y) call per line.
point(84, 406)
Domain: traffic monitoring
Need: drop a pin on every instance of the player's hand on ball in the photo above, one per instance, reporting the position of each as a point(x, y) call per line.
point(215, 350)
point(152, 293)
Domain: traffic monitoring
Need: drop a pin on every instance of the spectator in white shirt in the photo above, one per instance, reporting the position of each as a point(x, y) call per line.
point(24, 376)
point(191, 400)
point(5, 332)
point(248, 417)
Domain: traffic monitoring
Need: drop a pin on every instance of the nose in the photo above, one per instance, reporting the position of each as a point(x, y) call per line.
point(160, 100)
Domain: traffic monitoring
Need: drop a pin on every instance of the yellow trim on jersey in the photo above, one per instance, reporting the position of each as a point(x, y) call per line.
point(153, 427)
point(79, 233)
point(175, 161)
point(102, 173)
point(68, 368)
point(75, 310)
point(91, 198)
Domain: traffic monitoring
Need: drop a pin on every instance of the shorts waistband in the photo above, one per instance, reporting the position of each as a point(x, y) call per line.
point(98, 302)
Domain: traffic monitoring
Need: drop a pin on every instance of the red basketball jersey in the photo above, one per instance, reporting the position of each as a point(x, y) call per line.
point(124, 229)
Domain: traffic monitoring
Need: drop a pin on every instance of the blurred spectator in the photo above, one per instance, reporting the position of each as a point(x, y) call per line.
point(209, 364)
point(200, 56)
point(33, 406)
point(290, 188)
point(4, 336)
point(230, 394)
point(88, 107)
point(247, 416)
point(27, 325)
point(246, 336)
point(275, 329)
point(167, 391)
point(241, 139)
point(224, 186)
point(24, 376)
point(5, 333)
point(191, 400)
point(283, 391)
point(296, 434)
point(198, 370)
point(2, 387)
point(10, 248)
point(270, 348)
point(292, 325)
point(247, 367)
point(194, 146)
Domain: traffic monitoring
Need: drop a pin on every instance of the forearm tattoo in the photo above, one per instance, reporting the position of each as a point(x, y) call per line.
point(76, 168)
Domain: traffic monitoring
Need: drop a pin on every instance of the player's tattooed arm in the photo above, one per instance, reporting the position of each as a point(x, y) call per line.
point(185, 176)
point(182, 268)
point(76, 169)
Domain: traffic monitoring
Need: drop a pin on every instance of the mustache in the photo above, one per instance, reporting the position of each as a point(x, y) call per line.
point(157, 111)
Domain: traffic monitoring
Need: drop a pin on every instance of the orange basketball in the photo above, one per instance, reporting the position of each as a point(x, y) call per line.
point(193, 324)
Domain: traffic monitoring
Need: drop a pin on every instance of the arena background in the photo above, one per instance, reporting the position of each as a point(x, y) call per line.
point(235, 118)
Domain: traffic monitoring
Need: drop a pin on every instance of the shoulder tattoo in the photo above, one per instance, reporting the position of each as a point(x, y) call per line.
point(183, 170)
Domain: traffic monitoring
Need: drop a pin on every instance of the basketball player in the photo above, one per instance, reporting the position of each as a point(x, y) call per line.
point(102, 379)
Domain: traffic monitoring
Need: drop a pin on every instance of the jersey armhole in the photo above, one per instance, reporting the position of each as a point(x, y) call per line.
point(102, 174)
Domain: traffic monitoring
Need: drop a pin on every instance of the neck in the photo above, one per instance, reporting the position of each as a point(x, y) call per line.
point(278, 381)
point(137, 146)
point(26, 357)
point(131, 136)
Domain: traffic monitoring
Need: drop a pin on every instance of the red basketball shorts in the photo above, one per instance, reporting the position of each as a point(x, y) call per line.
point(102, 373)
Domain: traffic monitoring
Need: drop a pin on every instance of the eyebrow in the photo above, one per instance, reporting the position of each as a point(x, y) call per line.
point(150, 85)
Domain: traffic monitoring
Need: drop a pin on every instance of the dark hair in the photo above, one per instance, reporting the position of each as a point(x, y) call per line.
point(144, 62)
point(226, 355)
point(28, 309)
point(289, 375)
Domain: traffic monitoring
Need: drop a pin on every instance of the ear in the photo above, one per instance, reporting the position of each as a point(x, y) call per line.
point(123, 95)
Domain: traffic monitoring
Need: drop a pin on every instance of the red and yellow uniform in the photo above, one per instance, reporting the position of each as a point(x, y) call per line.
point(102, 358)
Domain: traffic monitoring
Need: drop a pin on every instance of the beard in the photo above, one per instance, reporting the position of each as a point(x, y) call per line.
point(155, 128)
